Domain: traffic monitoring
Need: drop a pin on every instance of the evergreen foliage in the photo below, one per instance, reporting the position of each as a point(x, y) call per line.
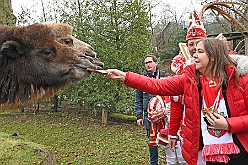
point(118, 30)
point(6, 14)
point(171, 49)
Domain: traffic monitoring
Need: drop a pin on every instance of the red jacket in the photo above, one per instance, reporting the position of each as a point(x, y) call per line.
point(187, 84)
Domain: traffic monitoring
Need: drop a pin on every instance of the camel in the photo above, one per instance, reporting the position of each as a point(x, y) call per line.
point(35, 64)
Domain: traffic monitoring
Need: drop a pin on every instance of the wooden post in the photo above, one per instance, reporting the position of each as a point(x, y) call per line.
point(104, 116)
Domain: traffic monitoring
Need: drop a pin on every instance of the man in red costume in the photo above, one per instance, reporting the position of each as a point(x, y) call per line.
point(196, 31)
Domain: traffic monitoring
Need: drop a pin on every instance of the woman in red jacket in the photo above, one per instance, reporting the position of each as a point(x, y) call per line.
point(216, 104)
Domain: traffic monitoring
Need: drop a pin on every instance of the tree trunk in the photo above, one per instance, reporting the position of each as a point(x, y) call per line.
point(55, 102)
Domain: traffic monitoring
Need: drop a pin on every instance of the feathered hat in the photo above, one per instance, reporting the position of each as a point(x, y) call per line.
point(221, 37)
point(196, 28)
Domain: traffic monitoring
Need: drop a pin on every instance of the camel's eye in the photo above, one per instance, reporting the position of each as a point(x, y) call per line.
point(48, 52)
point(68, 42)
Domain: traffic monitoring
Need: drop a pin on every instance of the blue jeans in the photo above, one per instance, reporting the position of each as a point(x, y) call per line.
point(153, 151)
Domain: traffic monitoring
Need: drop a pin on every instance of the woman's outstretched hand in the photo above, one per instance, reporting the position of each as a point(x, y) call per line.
point(116, 74)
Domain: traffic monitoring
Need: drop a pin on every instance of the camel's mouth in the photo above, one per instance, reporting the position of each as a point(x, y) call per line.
point(86, 65)
point(96, 63)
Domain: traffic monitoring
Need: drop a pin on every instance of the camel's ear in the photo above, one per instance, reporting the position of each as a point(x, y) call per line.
point(11, 49)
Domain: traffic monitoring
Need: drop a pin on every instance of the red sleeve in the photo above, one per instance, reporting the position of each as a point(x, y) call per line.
point(176, 115)
point(238, 122)
point(170, 86)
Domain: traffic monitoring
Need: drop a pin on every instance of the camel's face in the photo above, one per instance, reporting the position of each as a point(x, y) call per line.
point(35, 66)
point(64, 35)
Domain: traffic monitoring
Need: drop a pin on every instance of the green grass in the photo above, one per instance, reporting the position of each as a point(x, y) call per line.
point(78, 139)
point(123, 116)
point(17, 151)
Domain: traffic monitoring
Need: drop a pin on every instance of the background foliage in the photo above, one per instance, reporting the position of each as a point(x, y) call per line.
point(171, 48)
point(6, 14)
point(119, 33)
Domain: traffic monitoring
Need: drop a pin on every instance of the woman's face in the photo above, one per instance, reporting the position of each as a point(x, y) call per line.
point(201, 58)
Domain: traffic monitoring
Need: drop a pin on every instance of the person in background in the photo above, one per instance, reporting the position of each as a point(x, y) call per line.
point(141, 103)
point(216, 103)
point(196, 31)
point(223, 38)
point(159, 115)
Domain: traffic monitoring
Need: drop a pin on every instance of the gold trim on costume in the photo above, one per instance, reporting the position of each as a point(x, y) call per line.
point(184, 49)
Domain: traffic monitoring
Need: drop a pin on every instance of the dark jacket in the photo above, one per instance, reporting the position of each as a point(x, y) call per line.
point(142, 98)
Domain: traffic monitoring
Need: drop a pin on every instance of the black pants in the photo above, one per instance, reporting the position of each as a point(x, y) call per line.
point(239, 159)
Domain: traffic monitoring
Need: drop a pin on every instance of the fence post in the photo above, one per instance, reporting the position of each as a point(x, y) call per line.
point(104, 116)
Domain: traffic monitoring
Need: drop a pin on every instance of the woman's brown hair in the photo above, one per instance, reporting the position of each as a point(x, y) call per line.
point(218, 60)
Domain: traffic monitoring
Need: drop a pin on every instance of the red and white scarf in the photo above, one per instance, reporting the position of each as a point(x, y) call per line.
point(217, 143)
